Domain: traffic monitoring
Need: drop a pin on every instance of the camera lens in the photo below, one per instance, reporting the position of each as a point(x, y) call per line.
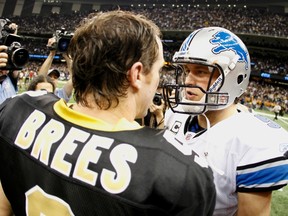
point(157, 99)
point(20, 57)
point(63, 44)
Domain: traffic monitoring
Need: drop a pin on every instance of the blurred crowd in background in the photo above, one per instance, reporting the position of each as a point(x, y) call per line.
point(239, 20)
point(259, 94)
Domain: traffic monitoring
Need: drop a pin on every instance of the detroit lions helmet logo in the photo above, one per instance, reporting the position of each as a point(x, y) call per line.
point(226, 42)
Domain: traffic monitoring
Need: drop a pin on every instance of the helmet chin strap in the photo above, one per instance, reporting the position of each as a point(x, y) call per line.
point(200, 110)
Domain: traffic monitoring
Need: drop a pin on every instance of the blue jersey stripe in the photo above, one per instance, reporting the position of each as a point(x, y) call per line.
point(264, 176)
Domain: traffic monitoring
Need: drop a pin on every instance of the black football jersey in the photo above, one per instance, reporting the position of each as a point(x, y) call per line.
point(52, 166)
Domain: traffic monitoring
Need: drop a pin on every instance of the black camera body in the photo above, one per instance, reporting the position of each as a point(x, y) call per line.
point(62, 40)
point(18, 57)
point(157, 100)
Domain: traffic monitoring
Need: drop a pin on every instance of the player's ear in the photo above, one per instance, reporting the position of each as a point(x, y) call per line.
point(135, 75)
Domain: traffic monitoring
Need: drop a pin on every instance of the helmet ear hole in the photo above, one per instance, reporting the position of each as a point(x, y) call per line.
point(240, 78)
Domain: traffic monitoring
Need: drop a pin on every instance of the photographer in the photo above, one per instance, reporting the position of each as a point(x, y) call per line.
point(66, 91)
point(8, 79)
point(156, 112)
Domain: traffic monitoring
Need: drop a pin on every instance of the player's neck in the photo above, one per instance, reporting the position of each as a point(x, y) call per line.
point(217, 116)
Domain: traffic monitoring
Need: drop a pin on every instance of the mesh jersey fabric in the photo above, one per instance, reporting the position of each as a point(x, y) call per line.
point(67, 168)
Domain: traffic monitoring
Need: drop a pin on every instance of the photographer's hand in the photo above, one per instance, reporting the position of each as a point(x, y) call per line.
point(158, 111)
point(3, 56)
point(51, 42)
point(14, 27)
point(51, 45)
point(68, 62)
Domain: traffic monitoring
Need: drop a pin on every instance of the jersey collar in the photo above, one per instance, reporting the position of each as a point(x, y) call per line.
point(61, 108)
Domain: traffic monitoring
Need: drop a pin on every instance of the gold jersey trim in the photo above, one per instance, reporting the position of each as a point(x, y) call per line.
point(61, 108)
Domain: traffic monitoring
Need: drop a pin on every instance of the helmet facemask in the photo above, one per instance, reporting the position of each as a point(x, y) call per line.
point(212, 98)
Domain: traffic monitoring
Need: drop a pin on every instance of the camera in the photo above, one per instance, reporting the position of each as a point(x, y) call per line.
point(157, 100)
point(62, 40)
point(18, 57)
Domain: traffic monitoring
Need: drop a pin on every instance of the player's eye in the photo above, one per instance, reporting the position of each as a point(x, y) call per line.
point(186, 70)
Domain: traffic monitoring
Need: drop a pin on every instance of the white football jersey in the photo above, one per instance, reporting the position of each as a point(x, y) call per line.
point(245, 152)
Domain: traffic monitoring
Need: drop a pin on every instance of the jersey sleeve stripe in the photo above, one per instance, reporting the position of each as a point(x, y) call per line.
point(264, 177)
point(250, 169)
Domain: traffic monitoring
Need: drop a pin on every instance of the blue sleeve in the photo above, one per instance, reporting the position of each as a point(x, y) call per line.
point(62, 94)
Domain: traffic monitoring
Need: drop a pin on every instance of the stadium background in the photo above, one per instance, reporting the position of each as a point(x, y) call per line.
point(261, 24)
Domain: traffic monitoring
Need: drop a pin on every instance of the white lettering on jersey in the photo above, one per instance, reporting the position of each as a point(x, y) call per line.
point(41, 143)
point(52, 132)
point(67, 146)
point(27, 132)
point(119, 157)
point(90, 154)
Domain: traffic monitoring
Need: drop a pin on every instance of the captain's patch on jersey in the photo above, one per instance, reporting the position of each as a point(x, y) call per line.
point(176, 126)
